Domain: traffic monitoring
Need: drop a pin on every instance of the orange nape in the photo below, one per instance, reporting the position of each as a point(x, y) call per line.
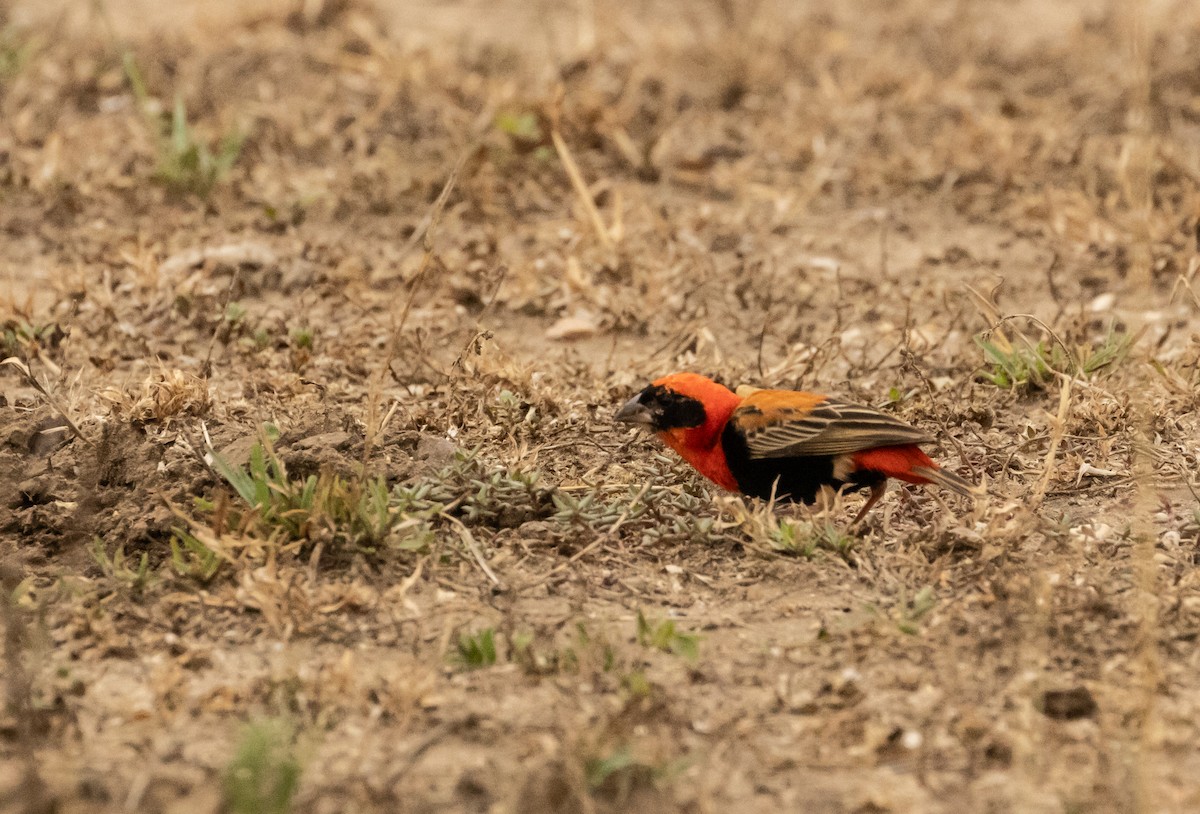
point(900, 462)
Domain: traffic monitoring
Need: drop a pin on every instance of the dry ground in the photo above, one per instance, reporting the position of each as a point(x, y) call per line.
point(399, 285)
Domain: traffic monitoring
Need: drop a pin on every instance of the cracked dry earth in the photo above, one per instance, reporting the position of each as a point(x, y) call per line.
point(455, 237)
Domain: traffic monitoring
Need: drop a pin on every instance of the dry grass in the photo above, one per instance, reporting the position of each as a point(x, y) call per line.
point(316, 499)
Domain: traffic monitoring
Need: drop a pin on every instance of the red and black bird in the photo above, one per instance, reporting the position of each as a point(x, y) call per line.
point(785, 443)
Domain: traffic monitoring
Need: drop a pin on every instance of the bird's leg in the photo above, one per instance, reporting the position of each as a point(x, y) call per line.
point(877, 491)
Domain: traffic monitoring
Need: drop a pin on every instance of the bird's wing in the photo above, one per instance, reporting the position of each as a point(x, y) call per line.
point(784, 423)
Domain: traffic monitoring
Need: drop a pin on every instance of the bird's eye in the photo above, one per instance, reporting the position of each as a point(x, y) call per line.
point(647, 397)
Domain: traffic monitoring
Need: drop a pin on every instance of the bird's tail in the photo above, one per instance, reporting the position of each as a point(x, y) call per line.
point(948, 480)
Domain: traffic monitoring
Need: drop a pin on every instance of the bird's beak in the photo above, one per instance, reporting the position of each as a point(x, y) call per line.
point(634, 412)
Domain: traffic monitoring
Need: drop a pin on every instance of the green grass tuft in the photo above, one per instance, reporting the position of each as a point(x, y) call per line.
point(476, 650)
point(600, 769)
point(184, 162)
point(303, 338)
point(192, 558)
point(264, 774)
point(663, 635)
point(22, 338)
point(616, 773)
point(119, 568)
point(916, 610)
point(15, 51)
point(1034, 365)
point(354, 514)
point(805, 538)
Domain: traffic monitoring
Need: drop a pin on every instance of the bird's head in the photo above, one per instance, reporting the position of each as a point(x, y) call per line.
point(681, 401)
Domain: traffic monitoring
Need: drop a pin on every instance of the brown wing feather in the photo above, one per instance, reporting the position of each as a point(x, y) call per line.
point(781, 424)
point(766, 408)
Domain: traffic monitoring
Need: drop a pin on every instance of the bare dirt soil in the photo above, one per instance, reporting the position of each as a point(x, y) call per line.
point(394, 266)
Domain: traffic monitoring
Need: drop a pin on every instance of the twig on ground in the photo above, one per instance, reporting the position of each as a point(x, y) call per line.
point(580, 186)
point(468, 540)
point(24, 370)
point(1056, 436)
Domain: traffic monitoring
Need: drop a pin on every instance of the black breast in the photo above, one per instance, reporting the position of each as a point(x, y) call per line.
point(799, 478)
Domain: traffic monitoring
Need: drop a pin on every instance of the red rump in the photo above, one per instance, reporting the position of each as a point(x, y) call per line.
point(896, 462)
